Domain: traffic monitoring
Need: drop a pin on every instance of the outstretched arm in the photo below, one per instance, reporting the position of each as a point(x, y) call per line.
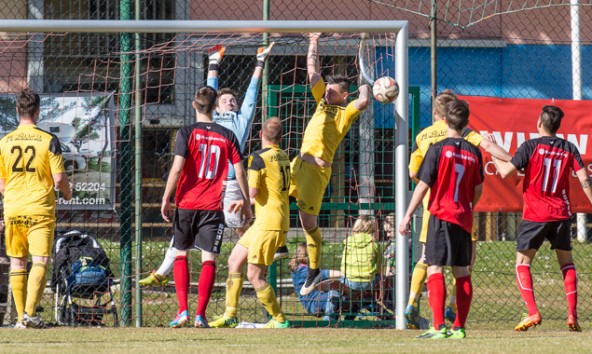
point(363, 100)
point(504, 168)
point(313, 65)
point(586, 183)
point(250, 101)
point(494, 149)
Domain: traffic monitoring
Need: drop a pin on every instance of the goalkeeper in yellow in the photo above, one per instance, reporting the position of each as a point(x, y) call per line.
point(269, 182)
point(430, 135)
point(31, 164)
point(311, 170)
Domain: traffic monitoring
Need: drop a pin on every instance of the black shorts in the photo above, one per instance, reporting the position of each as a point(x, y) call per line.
point(201, 229)
point(447, 244)
point(531, 234)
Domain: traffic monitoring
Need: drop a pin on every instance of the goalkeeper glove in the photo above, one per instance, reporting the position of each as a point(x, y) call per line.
point(215, 54)
point(263, 54)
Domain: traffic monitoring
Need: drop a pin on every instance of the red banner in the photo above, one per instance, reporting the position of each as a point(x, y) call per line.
point(513, 121)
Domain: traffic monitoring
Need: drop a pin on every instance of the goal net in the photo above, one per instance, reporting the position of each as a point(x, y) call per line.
point(94, 85)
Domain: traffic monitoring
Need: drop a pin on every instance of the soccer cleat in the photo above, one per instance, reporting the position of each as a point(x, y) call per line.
point(458, 333)
point(311, 282)
point(433, 333)
point(19, 325)
point(224, 322)
point(281, 253)
point(412, 317)
point(573, 324)
point(180, 320)
point(528, 321)
point(154, 279)
point(32, 322)
point(449, 314)
point(200, 322)
point(278, 325)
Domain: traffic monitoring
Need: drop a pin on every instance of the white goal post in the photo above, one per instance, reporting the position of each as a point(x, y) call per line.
point(400, 28)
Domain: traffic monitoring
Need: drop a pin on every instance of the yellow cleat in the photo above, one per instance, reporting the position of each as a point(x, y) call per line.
point(529, 321)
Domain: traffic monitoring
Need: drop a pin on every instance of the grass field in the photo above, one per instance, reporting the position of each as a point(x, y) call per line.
point(551, 337)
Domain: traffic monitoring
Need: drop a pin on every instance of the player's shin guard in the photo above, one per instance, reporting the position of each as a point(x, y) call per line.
point(437, 298)
point(234, 285)
point(206, 285)
point(420, 273)
point(313, 245)
point(266, 295)
point(464, 296)
point(570, 281)
point(181, 276)
point(35, 287)
point(18, 285)
point(524, 280)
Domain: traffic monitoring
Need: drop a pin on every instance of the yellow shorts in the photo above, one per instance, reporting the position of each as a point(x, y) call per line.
point(425, 218)
point(308, 185)
point(29, 235)
point(262, 244)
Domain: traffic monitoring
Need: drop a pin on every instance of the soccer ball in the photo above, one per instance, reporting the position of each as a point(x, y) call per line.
point(385, 90)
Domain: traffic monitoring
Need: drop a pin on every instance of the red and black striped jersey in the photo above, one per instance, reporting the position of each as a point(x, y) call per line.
point(547, 163)
point(452, 168)
point(207, 149)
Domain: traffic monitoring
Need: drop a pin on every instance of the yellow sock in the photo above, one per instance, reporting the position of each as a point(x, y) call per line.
point(18, 284)
point(234, 285)
point(314, 243)
point(266, 295)
point(418, 278)
point(35, 286)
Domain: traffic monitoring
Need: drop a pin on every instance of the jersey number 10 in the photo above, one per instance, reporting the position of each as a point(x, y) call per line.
point(210, 158)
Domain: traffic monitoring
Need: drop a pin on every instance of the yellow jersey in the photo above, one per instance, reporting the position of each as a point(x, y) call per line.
point(433, 134)
point(29, 157)
point(327, 127)
point(269, 172)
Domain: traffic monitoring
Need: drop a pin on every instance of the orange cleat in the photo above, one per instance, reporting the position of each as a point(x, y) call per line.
point(529, 321)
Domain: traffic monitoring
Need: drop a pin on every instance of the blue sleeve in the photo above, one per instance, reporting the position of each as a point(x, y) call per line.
point(247, 111)
point(213, 82)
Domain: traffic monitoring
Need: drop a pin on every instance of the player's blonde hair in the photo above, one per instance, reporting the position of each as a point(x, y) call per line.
point(272, 130)
point(365, 224)
point(300, 257)
point(442, 101)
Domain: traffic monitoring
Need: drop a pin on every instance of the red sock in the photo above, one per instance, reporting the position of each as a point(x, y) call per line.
point(437, 298)
point(524, 280)
point(181, 276)
point(464, 296)
point(570, 281)
point(206, 285)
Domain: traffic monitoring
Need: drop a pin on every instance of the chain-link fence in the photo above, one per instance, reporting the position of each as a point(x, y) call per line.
point(98, 83)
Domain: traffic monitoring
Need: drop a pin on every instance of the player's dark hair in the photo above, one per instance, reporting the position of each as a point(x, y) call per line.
point(28, 103)
point(272, 130)
point(205, 100)
point(457, 115)
point(226, 91)
point(551, 118)
point(340, 80)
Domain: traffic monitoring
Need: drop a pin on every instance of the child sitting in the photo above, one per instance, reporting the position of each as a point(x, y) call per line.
point(361, 260)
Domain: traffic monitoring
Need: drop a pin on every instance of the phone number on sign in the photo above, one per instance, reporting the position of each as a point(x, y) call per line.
point(87, 187)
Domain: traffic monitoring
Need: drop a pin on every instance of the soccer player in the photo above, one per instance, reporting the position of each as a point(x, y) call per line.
point(430, 135)
point(31, 165)
point(547, 162)
point(198, 173)
point(453, 171)
point(311, 169)
point(238, 119)
point(269, 182)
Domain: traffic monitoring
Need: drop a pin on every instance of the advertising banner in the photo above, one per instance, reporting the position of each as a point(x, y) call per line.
point(512, 122)
point(84, 125)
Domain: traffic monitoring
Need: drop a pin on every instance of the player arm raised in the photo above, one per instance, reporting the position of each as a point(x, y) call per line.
point(313, 65)
point(174, 174)
point(363, 100)
point(215, 55)
point(420, 191)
